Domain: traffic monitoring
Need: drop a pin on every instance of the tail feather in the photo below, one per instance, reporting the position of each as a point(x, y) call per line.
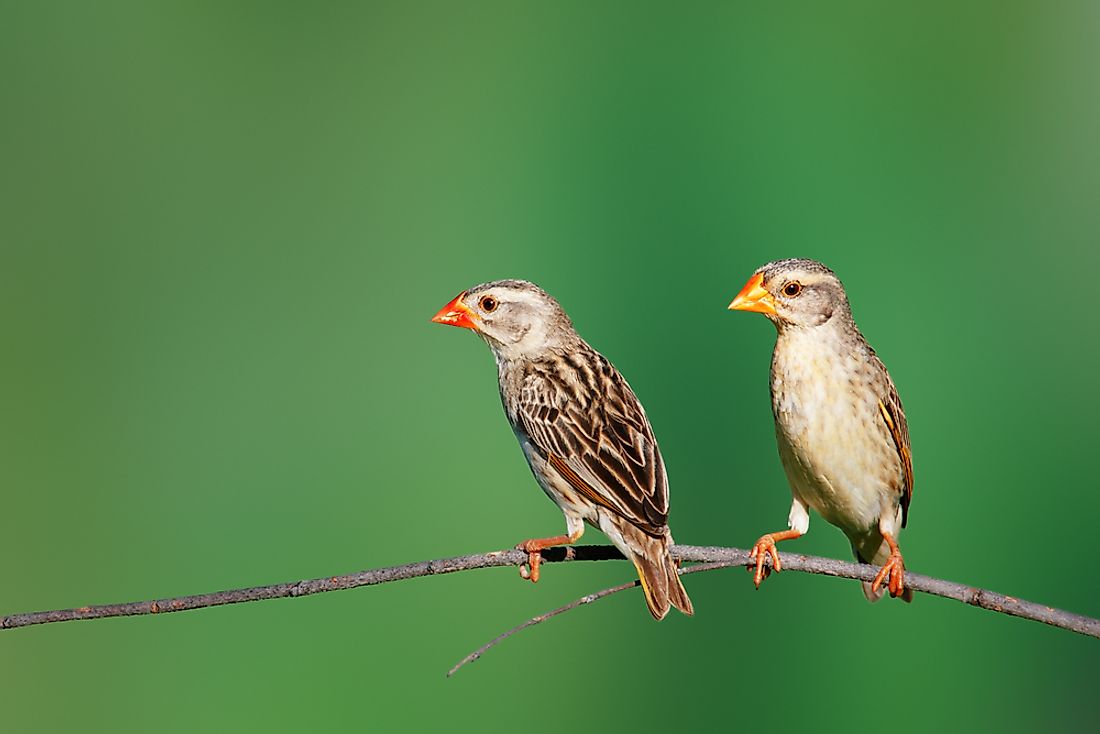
point(659, 576)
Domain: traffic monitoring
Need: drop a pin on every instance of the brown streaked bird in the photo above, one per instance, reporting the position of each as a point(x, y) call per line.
point(584, 433)
point(842, 434)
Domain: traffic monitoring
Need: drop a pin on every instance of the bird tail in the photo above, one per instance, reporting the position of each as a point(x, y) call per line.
point(878, 556)
point(657, 571)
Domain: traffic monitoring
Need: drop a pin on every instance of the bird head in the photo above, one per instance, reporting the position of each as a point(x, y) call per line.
point(795, 292)
point(514, 317)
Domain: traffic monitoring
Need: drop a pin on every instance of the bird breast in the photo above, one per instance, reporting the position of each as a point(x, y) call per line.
point(834, 448)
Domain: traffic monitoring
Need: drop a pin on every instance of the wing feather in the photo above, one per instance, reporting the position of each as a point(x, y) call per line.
point(894, 416)
point(580, 412)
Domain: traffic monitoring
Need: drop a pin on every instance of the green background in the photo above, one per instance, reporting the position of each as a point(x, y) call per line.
point(224, 227)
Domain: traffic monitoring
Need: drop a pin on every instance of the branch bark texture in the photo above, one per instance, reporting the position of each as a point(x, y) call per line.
point(974, 596)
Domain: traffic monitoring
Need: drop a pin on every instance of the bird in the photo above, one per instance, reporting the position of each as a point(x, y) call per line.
point(584, 433)
point(839, 423)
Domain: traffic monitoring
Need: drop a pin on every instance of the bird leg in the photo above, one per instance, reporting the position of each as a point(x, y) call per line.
point(766, 547)
point(534, 548)
point(894, 568)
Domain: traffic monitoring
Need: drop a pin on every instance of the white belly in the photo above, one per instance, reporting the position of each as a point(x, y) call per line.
point(830, 442)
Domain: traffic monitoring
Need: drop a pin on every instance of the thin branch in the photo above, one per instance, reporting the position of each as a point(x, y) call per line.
point(972, 595)
point(587, 599)
point(827, 567)
point(370, 577)
point(698, 554)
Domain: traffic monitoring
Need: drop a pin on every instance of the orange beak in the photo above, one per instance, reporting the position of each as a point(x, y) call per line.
point(753, 297)
point(457, 313)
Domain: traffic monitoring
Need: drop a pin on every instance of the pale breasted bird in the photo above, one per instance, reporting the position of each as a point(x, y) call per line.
point(842, 434)
point(583, 431)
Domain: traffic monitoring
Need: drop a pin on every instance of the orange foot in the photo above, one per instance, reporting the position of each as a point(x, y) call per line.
point(766, 547)
point(894, 569)
point(535, 547)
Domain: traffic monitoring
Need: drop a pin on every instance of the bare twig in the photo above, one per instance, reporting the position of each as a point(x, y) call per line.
point(972, 595)
point(311, 586)
point(699, 554)
point(586, 599)
point(811, 564)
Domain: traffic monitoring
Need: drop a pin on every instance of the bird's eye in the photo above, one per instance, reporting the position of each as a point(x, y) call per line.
point(792, 289)
point(488, 304)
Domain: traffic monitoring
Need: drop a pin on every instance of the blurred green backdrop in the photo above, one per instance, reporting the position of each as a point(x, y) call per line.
point(224, 227)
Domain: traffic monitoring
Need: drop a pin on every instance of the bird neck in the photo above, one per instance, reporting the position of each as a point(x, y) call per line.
point(838, 335)
point(535, 346)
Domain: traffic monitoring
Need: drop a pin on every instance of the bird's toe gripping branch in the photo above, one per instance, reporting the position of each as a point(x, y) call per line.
point(764, 548)
point(893, 571)
point(534, 548)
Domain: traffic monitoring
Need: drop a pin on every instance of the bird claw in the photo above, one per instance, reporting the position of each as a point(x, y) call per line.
point(530, 571)
point(752, 570)
point(894, 570)
point(763, 549)
point(534, 547)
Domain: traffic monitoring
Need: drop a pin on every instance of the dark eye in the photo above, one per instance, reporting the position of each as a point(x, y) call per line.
point(792, 289)
point(488, 304)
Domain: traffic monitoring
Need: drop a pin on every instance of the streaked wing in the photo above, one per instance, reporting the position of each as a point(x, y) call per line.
point(894, 416)
point(580, 412)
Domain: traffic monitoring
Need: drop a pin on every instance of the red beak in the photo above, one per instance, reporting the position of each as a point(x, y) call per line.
point(754, 297)
point(457, 313)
